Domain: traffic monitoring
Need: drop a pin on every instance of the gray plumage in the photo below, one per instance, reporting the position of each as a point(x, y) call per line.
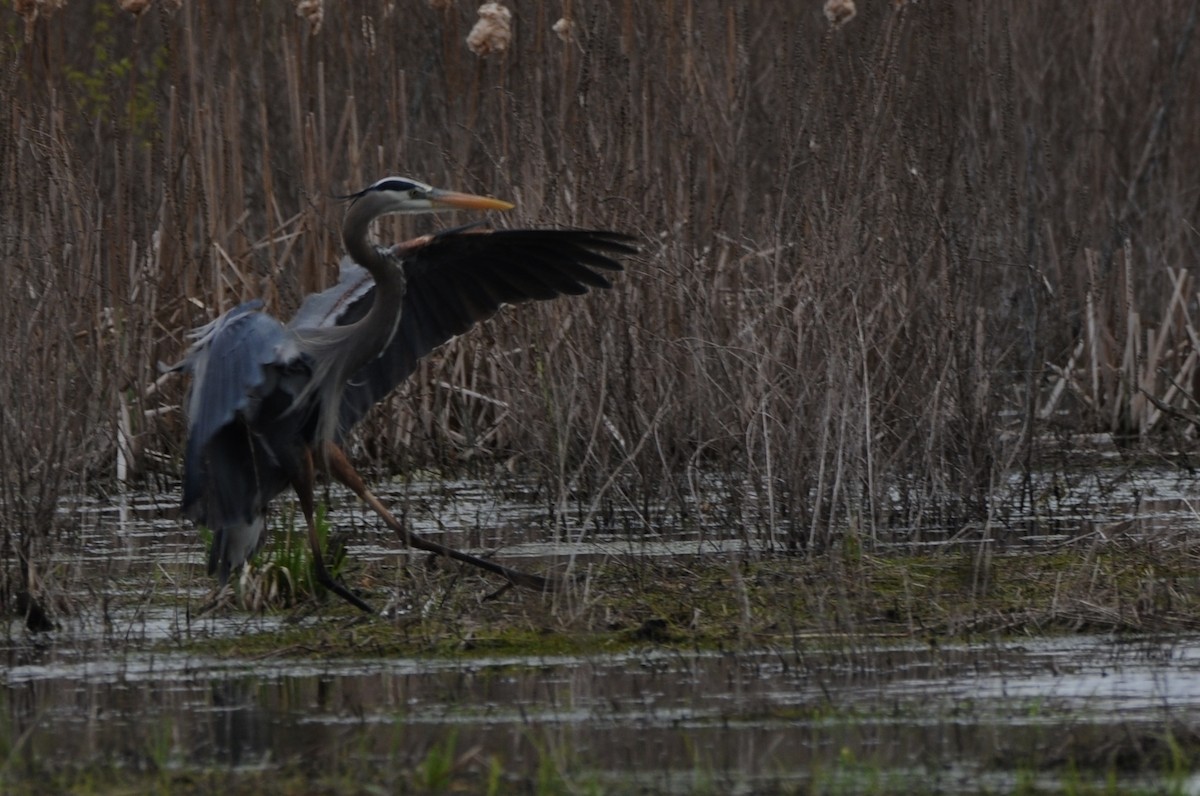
point(454, 280)
point(264, 396)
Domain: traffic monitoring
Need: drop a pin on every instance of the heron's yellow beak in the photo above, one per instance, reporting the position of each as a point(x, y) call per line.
point(467, 201)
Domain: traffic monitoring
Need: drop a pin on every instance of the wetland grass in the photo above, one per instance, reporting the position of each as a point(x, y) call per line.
point(894, 273)
point(281, 575)
point(869, 291)
point(778, 602)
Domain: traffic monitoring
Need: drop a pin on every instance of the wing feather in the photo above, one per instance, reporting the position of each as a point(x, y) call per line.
point(232, 365)
point(454, 280)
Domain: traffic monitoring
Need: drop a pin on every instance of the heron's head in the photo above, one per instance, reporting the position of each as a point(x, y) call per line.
point(403, 195)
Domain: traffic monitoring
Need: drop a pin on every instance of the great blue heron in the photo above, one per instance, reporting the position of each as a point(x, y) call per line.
point(267, 400)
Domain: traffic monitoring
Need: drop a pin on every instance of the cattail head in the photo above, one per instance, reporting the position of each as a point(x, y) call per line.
point(564, 28)
point(314, 12)
point(135, 7)
point(839, 12)
point(493, 32)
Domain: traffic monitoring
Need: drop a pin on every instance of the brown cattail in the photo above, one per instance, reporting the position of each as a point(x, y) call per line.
point(839, 12)
point(28, 9)
point(564, 28)
point(135, 7)
point(314, 12)
point(493, 32)
point(441, 5)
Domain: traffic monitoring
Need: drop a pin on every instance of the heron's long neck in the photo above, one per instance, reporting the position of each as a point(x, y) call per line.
point(376, 328)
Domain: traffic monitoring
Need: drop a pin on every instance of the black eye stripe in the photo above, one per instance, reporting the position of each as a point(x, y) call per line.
point(399, 186)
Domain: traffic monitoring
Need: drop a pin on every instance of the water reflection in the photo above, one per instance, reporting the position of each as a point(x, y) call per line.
point(654, 712)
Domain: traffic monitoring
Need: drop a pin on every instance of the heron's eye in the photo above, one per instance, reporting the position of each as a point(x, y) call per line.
point(414, 193)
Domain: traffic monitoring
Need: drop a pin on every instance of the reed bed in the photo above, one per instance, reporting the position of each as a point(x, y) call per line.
point(881, 262)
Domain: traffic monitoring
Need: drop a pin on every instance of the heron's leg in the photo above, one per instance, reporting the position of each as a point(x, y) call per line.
point(302, 482)
point(341, 469)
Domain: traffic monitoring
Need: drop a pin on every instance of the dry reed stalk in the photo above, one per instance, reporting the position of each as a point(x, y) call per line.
point(826, 313)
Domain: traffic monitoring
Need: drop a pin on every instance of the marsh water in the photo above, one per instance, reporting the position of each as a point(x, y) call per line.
point(665, 721)
point(848, 715)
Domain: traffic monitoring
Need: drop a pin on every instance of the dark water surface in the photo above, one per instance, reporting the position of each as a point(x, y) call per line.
point(840, 715)
point(952, 716)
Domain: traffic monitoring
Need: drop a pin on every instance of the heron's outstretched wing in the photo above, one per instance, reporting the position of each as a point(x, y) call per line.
point(234, 362)
point(454, 280)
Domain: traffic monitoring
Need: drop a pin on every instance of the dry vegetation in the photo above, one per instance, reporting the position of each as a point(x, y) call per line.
point(881, 262)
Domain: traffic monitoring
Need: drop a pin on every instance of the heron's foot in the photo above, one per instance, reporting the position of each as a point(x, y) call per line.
point(326, 580)
point(546, 584)
point(223, 597)
point(528, 580)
